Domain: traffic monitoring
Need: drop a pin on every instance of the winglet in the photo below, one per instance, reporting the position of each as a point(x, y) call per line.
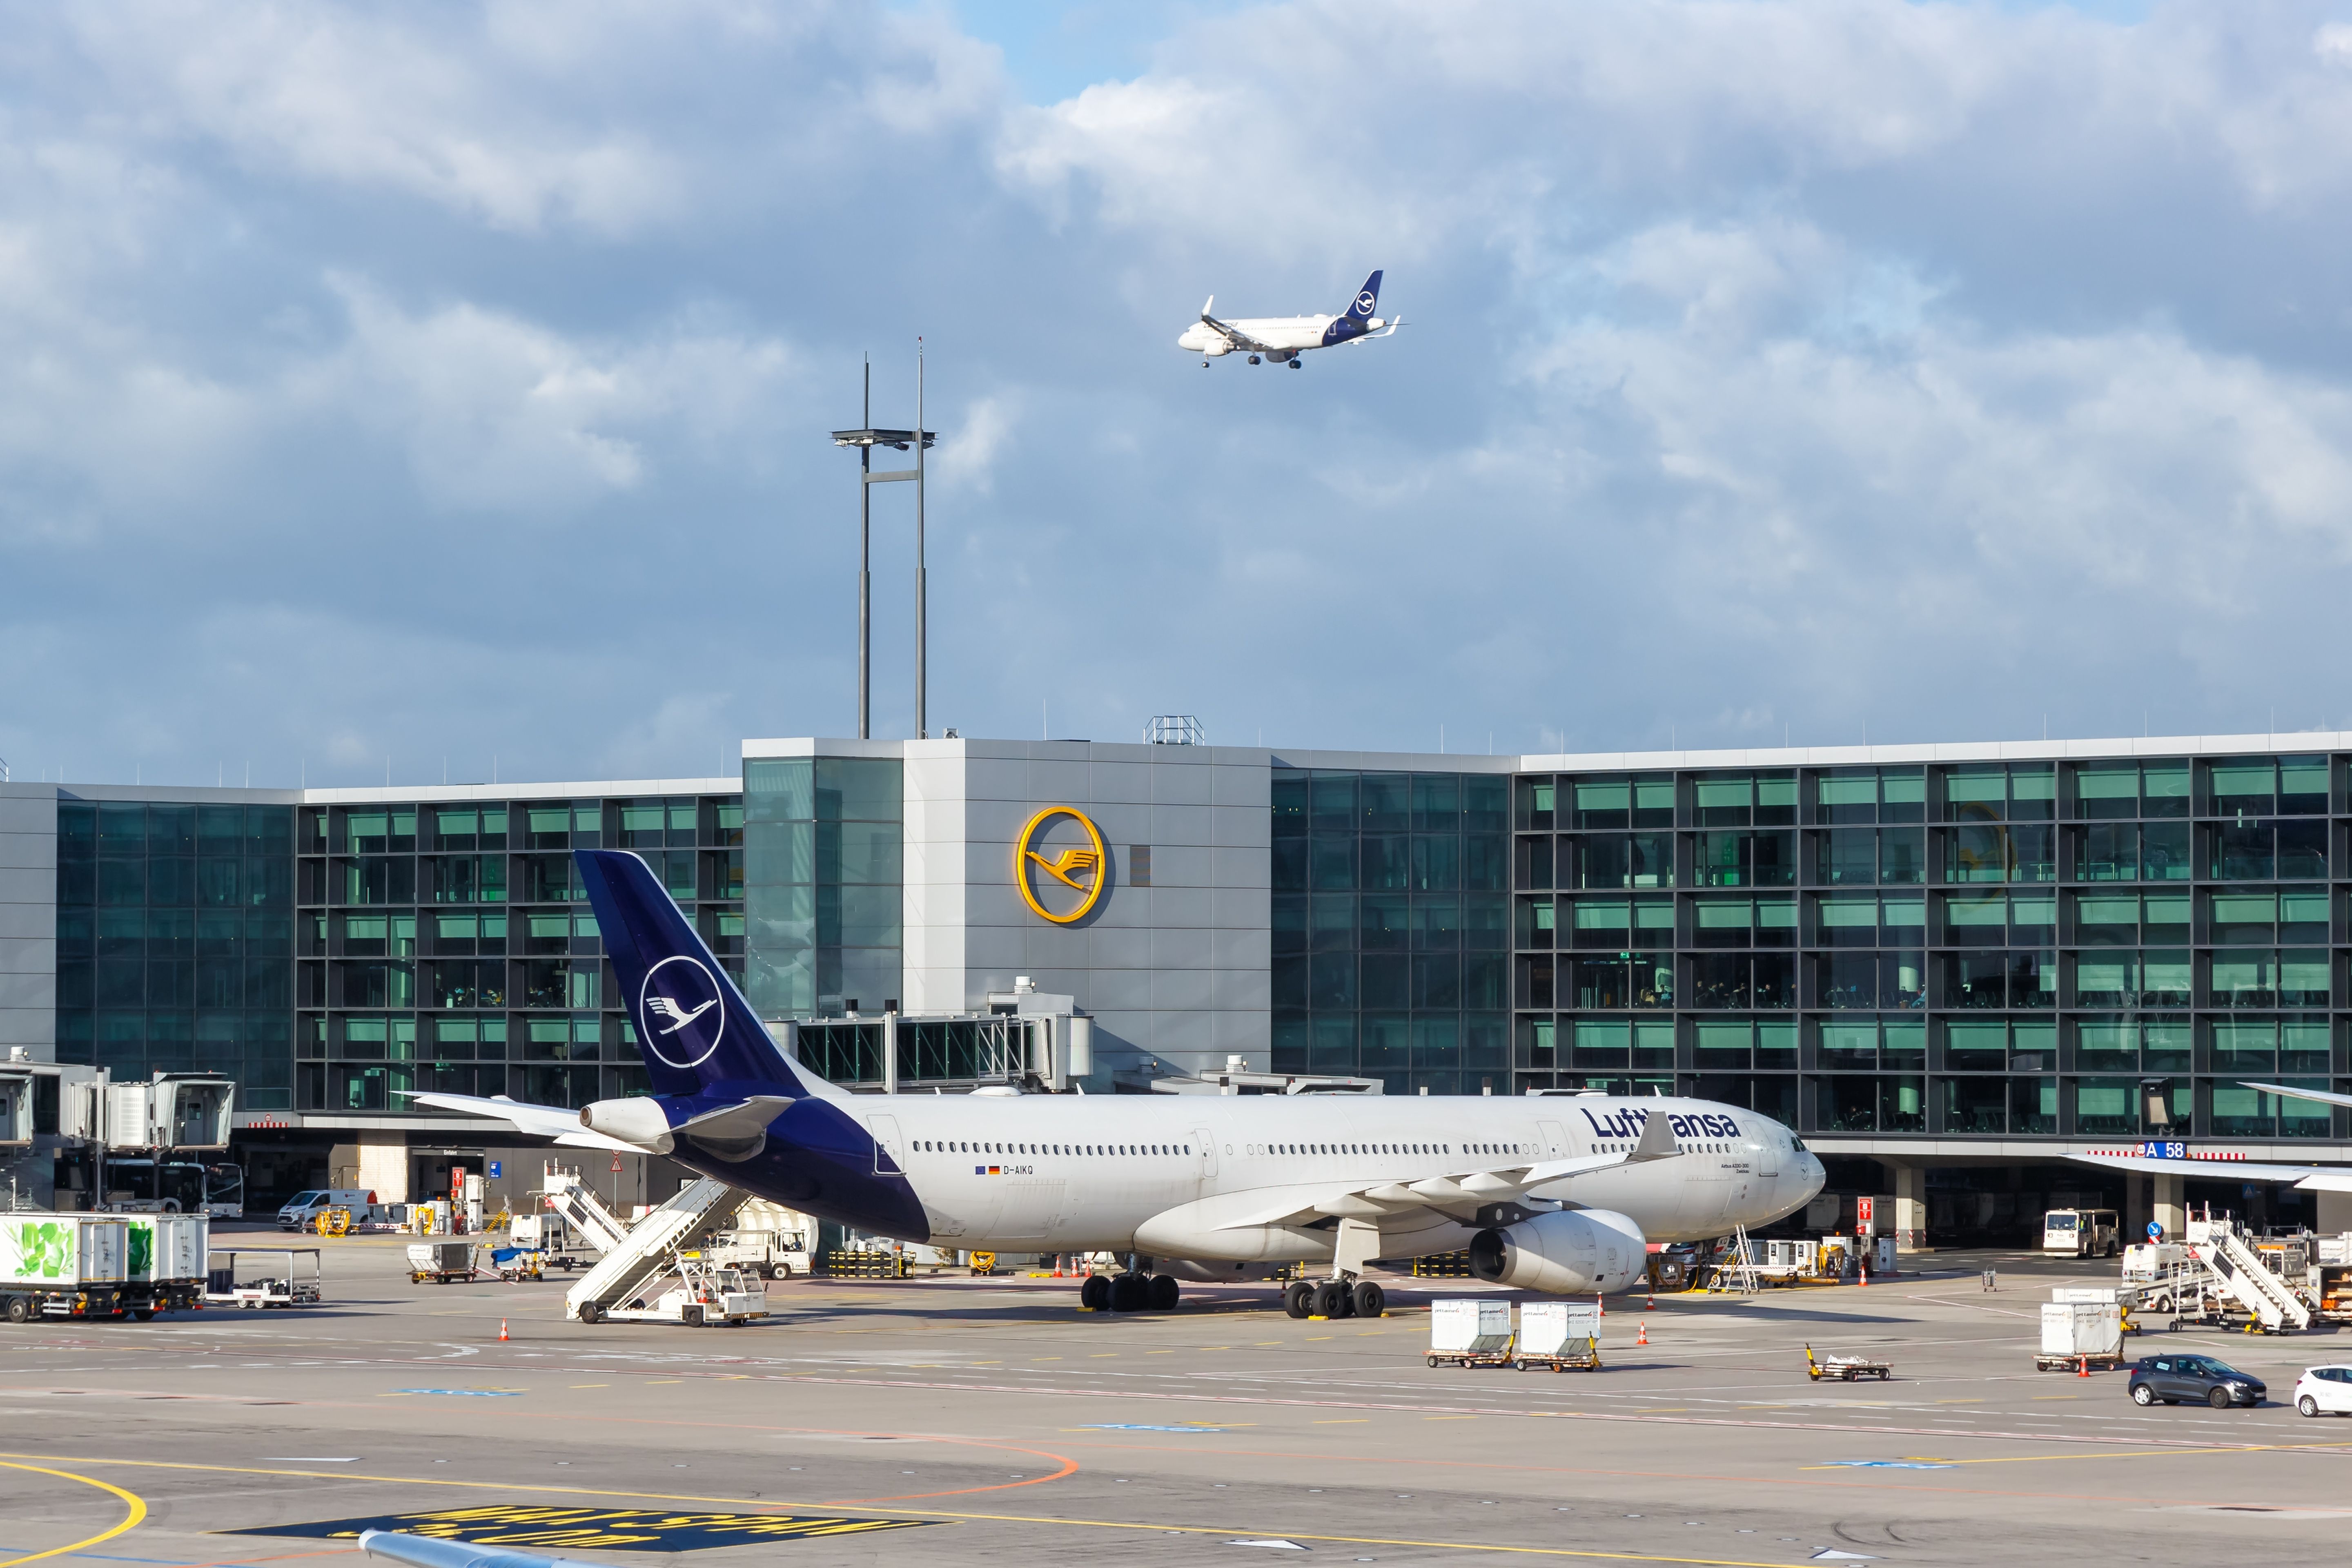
point(1657, 1141)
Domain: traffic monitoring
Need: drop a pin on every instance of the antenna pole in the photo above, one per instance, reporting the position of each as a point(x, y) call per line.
point(922, 583)
point(866, 570)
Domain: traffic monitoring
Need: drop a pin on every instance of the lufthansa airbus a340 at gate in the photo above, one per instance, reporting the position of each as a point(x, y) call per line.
point(1282, 339)
point(1558, 1194)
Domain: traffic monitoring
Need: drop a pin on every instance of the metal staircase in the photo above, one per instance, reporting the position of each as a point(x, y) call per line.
point(582, 1209)
point(648, 1253)
point(2239, 1273)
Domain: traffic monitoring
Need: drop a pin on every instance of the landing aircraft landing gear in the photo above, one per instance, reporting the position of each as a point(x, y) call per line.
point(1297, 364)
point(1252, 359)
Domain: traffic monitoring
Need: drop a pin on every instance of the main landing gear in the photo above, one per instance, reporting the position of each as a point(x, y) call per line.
point(1334, 1298)
point(1130, 1292)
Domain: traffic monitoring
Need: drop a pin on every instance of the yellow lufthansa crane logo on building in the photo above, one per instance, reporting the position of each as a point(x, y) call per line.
point(1078, 867)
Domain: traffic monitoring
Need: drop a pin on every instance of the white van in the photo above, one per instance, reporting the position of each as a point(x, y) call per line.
point(304, 1208)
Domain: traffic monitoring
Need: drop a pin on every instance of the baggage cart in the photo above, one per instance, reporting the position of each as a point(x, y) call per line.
point(282, 1285)
point(442, 1262)
point(1562, 1335)
point(1845, 1368)
point(1470, 1333)
point(2078, 1334)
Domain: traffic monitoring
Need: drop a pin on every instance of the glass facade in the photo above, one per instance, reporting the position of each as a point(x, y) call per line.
point(449, 946)
point(1390, 914)
point(2093, 949)
point(175, 940)
point(824, 847)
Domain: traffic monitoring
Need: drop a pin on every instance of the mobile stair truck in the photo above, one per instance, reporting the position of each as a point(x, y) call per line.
point(62, 1265)
point(622, 1284)
point(2236, 1271)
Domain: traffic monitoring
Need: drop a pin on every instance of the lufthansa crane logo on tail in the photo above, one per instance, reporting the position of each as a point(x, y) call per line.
point(680, 1016)
point(1048, 876)
point(1364, 303)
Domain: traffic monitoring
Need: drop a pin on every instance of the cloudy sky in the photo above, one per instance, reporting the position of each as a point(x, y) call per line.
point(429, 386)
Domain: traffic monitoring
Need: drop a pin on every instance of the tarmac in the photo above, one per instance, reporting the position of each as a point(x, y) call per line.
point(990, 1421)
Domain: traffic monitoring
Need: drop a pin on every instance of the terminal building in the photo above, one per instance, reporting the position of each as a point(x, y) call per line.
point(1945, 966)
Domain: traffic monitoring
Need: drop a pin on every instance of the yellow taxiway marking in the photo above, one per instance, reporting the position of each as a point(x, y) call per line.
point(1045, 1358)
point(138, 1510)
point(1104, 1355)
point(654, 1380)
point(1159, 1353)
point(592, 1385)
point(1140, 1527)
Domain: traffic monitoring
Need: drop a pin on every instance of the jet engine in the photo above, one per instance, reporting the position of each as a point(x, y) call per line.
point(1566, 1253)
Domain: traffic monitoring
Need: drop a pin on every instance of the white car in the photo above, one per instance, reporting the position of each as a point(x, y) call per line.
point(2324, 1391)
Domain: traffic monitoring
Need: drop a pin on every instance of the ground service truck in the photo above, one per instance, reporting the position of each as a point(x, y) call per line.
point(62, 1265)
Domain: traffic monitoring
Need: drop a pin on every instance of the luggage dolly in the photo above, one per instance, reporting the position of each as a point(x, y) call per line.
point(1846, 1368)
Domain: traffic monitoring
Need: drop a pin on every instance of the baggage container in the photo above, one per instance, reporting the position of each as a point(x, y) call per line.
point(1470, 1333)
point(164, 1264)
point(2075, 1332)
point(443, 1262)
point(1564, 1336)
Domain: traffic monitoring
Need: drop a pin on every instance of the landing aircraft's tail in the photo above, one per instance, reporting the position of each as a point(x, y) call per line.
point(1367, 301)
point(695, 1030)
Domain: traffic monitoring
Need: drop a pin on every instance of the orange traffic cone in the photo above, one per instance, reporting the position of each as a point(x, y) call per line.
point(1865, 1273)
point(502, 1330)
point(1650, 1303)
point(1643, 1338)
point(1602, 1302)
point(2083, 1367)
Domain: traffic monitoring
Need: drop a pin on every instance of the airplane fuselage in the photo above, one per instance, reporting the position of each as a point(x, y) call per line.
point(1182, 1177)
point(1291, 334)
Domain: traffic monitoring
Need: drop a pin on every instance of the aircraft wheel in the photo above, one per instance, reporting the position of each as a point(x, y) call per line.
point(1095, 1294)
point(1129, 1293)
point(1296, 364)
point(1298, 1298)
point(1164, 1293)
point(1371, 1302)
point(1252, 359)
point(1331, 1299)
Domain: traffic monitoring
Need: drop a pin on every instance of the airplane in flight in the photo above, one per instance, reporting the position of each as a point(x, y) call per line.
point(1558, 1194)
point(2174, 1159)
point(1282, 339)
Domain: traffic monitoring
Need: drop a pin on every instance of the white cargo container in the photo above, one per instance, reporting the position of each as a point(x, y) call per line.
point(2074, 1332)
point(1468, 1332)
point(62, 1265)
point(1558, 1333)
point(163, 1266)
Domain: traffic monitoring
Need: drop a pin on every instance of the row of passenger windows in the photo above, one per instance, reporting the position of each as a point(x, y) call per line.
point(934, 1146)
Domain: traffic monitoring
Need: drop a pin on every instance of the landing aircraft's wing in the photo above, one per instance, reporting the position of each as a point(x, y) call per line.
point(538, 1121)
point(1234, 335)
point(2309, 1178)
point(1460, 1195)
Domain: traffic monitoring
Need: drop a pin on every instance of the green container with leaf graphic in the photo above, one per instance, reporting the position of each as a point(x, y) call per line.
point(63, 1251)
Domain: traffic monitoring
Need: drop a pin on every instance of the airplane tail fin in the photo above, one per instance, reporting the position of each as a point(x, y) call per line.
point(1367, 301)
point(695, 1030)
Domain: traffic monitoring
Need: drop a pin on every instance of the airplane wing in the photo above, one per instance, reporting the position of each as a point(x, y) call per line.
point(1234, 336)
point(536, 1120)
point(1460, 1195)
point(2309, 1178)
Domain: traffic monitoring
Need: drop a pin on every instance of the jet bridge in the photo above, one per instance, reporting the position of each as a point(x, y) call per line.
point(649, 1252)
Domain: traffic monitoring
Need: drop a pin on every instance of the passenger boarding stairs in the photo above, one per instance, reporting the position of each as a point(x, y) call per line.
point(649, 1252)
point(2239, 1270)
point(583, 1210)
